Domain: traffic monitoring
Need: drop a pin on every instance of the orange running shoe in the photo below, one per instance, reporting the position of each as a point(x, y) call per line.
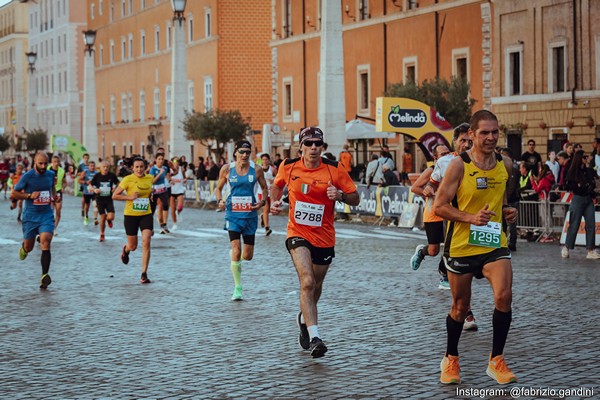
point(498, 370)
point(450, 370)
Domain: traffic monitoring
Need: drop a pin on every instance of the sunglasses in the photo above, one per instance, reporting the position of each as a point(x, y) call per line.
point(309, 143)
point(243, 152)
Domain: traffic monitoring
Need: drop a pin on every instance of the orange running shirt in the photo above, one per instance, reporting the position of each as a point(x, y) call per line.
point(311, 212)
point(346, 160)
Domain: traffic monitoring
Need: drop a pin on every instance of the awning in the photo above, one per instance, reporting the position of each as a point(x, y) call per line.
point(357, 129)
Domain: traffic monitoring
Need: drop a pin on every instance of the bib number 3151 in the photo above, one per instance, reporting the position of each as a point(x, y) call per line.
point(486, 236)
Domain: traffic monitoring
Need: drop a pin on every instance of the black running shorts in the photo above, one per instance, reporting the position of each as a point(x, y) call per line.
point(319, 255)
point(135, 223)
point(474, 264)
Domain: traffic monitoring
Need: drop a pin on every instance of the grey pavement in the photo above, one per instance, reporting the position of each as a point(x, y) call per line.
point(98, 333)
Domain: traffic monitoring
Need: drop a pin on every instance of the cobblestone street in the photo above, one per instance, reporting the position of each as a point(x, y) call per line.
point(98, 333)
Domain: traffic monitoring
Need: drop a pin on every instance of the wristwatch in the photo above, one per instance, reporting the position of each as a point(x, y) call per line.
point(343, 197)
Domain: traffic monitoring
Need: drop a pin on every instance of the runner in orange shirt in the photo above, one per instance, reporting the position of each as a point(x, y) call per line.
point(314, 185)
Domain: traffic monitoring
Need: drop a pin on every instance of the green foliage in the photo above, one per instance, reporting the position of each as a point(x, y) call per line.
point(4, 143)
point(215, 125)
point(450, 99)
point(37, 140)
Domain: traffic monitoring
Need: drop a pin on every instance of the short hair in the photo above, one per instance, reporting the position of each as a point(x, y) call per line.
point(460, 129)
point(55, 157)
point(562, 154)
point(86, 155)
point(266, 155)
point(507, 151)
point(374, 157)
point(531, 141)
point(481, 115)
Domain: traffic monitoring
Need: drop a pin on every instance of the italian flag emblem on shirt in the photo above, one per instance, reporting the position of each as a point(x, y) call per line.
point(304, 188)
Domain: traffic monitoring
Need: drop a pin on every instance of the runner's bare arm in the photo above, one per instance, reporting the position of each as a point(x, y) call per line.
point(223, 176)
point(419, 185)
point(260, 177)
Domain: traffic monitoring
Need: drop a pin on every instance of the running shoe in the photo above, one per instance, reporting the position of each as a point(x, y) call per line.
point(174, 227)
point(450, 370)
point(125, 256)
point(110, 223)
point(470, 324)
point(102, 238)
point(303, 336)
point(22, 254)
point(498, 370)
point(96, 221)
point(417, 258)
point(564, 252)
point(317, 348)
point(444, 284)
point(166, 229)
point(268, 231)
point(237, 294)
point(144, 278)
point(593, 255)
point(163, 231)
point(86, 221)
point(45, 281)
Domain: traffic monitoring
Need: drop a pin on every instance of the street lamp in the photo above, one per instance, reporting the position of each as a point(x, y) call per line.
point(89, 135)
point(178, 9)
point(31, 58)
point(179, 145)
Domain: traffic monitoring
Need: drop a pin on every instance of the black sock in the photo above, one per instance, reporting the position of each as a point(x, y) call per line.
point(454, 329)
point(501, 324)
point(425, 251)
point(46, 261)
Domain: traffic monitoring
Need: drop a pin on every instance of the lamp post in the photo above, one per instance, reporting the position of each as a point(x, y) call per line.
point(90, 130)
point(31, 59)
point(177, 139)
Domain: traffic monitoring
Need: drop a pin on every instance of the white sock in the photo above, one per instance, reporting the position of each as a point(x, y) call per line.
point(313, 331)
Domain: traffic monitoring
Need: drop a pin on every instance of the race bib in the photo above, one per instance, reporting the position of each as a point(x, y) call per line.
point(308, 213)
point(104, 189)
point(486, 236)
point(141, 204)
point(241, 203)
point(43, 200)
point(157, 189)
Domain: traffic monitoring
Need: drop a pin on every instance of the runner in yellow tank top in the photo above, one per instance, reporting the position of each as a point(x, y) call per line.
point(472, 196)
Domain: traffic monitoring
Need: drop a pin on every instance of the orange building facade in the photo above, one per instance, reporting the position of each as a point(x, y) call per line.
point(385, 42)
point(228, 67)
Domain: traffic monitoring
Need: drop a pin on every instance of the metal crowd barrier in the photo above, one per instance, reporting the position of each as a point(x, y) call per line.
point(546, 215)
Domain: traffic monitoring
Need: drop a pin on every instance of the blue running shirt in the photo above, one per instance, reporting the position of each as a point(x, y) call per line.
point(241, 195)
point(31, 182)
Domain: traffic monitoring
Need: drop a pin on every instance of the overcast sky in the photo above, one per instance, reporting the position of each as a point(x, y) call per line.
point(3, 2)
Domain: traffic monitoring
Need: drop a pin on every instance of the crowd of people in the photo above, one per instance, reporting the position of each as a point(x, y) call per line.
point(472, 190)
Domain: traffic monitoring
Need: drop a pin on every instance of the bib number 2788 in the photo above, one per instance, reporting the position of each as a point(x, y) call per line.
point(309, 214)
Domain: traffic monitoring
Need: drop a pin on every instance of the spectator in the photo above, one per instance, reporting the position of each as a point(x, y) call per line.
point(543, 182)
point(595, 156)
point(407, 166)
point(580, 181)
point(565, 162)
point(512, 197)
point(569, 148)
point(372, 169)
point(213, 170)
point(201, 171)
point(390, 179)
point(346, 159)
point(532, 158)
point(553, 165)
point(277, 160)
point(525, 187)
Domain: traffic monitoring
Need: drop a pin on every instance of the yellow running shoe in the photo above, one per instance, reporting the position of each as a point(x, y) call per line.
point(22, 254)
point(45, 281)
point(450, 370)
point(498, 370)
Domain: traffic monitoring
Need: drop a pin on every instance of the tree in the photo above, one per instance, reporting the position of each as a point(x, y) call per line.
point(450, 99)
point(36, 140)
point(4, 144)
point(215, 125)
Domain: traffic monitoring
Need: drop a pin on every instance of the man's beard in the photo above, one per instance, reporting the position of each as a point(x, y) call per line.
point(43, 171)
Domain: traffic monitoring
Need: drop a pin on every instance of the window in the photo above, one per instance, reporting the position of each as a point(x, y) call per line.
point(168, 102)
point(130, 46)
point(123, 13)
point(598, 61)
point(513, 70)
point(409, 67)
point(112, 51)
point(557, 67)
point(287, 99)
point(208, 94)
point(287, 18)
point(460, 63)
point(363, 10)
point(92, 11)
point(113, 116)
point(102, 114)
point(143, 149)
point(143, 4)
point(129, 107)
point(168, 30)
point(363, 86)
point(101, 55)
point(190, 97)
point(123, 48)
point(411, 4)
point(123, 107)
point(100, 6)
point(143, 43)
point(157, 103)
point(142, 105)
point(130, 7)
point(156, 39)
point(111, 12)
point(207, 23)
point(190, 29)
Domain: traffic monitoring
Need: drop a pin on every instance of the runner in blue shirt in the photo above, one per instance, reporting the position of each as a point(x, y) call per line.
point(160, 191)
point(37, 188)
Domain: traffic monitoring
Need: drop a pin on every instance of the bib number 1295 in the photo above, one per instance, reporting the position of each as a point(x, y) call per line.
point(486, 236)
